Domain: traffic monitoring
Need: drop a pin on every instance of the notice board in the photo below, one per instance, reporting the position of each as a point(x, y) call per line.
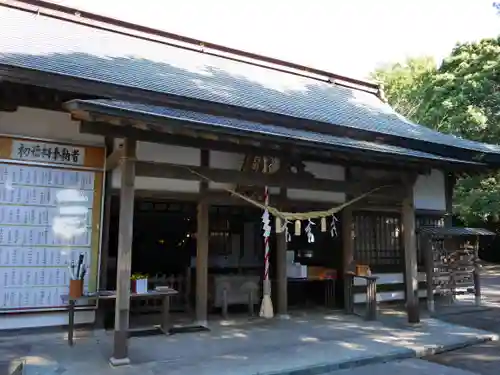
point(50, 213)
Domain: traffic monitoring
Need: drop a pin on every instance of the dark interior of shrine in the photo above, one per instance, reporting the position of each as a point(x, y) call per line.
point(164, 243)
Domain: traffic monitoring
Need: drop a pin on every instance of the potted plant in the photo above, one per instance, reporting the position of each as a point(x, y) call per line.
point(139, 283)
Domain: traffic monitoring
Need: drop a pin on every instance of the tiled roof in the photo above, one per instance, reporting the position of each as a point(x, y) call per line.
point(211, 122)
point(455, 231)
point(61, 47)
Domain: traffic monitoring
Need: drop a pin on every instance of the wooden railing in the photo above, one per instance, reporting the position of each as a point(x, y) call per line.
point(370, 294)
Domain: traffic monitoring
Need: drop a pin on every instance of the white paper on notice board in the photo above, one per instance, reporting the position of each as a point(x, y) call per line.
point(45, 224)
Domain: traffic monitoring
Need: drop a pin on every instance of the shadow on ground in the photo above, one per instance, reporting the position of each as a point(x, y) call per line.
point(247, 347)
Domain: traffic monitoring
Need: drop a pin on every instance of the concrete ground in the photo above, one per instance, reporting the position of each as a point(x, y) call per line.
point(405, 367)
point(484, 358)
point(305, 344)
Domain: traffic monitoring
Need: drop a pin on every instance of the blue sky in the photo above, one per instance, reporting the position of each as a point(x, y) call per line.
point(348, 37)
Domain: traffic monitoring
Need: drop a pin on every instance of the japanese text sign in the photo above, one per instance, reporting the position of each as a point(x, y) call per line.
point(47, 152)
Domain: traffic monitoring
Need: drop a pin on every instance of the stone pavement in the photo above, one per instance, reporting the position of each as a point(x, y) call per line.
point(305, 344)
point(483, 358)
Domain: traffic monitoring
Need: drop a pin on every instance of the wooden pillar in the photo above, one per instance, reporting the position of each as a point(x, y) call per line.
point(426, 243)
point(106, 221)
point(122, 309)
point(346, 222)
point(202, 238)
point(281, 276)
point(104, 267)
point(347, 255)
point(410, 253)
point(477, 274)
point(449, 186)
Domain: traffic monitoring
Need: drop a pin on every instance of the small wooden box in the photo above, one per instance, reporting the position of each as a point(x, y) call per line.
point(321, 273)
point(363, 270)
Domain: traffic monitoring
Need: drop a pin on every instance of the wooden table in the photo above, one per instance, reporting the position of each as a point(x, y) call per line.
point(111, 295)
point(329, 288)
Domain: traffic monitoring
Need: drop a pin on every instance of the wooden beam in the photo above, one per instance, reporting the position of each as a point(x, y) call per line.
point(113, 160)
point(174, 171)
point(410, 253)
point(202, 239)
point(245, 145)
point(222, 142)
point(125, 233)
point(216, 197)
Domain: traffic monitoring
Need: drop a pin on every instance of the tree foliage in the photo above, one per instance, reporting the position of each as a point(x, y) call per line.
point(461, 97)
point(404, 83)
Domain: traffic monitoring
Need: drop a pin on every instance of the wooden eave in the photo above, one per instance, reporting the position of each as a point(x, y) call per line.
point(148, 128)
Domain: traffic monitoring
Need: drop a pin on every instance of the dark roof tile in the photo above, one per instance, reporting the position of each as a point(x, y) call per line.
point(54, 46)
point(454, 231)
point(219, 122)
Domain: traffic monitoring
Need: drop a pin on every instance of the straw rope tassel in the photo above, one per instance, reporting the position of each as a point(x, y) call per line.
point(266, 308)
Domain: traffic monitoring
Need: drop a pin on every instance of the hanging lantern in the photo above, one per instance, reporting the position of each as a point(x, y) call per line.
point(297, 227)
point(323, 224)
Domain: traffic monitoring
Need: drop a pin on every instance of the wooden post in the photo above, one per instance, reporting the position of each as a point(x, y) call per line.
point(449, 186)
point(348, 293)
point(426, 243)
point(282, 280)
point(122, 309)
point(104, 267)
point(371, 298)
point(106, 221)
point(477, 274)
point(202, 238)
point(410, 253)
point(347, 255)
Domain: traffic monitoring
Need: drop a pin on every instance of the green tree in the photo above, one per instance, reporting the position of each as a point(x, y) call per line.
point(405, 82)
point(461, 97)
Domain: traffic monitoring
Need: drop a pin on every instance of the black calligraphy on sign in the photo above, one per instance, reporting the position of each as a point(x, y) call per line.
point(48, 153)
point(23, 152)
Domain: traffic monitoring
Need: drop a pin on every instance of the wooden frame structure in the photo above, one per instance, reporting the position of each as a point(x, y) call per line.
point(451, 256)
point(400, 197)
point(397, 167)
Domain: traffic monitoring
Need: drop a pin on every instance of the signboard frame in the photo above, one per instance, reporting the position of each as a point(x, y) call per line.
point(62, 155)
